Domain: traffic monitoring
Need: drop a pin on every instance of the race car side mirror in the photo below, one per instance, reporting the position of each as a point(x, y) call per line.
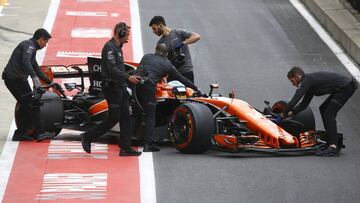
point(212, 87)
point(232, 95)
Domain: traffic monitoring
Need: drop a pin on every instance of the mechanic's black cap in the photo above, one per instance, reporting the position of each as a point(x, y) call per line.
point(41, 33)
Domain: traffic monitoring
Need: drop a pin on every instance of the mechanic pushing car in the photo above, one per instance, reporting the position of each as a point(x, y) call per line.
point(176, 40)
point(339, 87)
point(22, 63)
point(154, 67)
point(114, 84)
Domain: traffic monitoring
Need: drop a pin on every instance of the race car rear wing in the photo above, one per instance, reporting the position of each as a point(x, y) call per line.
point(91, 70)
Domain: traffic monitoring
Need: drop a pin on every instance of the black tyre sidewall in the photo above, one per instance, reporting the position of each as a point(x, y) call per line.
point(202, 127)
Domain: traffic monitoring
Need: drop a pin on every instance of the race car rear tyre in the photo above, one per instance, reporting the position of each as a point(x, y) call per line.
point(51, 111)
point(305, 117)
point(22, 118)
point(191, 126)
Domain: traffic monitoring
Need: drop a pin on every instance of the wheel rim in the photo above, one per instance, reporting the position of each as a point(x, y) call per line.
point(182, 128)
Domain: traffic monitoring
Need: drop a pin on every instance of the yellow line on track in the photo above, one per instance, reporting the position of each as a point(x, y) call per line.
point(3, 2)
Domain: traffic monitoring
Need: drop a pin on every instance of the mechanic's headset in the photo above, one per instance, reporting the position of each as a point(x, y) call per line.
point(122, 29)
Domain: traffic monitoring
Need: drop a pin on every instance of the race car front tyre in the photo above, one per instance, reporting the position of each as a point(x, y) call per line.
point(191, 127)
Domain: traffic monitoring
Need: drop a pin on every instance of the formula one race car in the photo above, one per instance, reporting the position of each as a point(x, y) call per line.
point(195, 123)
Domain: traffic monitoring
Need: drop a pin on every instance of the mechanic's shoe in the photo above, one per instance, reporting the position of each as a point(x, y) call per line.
point(86, 142)
point(45, 136)
point(330, 151)
point(22, 138)
point(340, 142)
point(129, 152)
point(151, 148)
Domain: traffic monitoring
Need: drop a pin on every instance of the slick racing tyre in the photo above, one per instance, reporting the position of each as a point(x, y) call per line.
point(23, 119)
point(51, 111)
point(301, 122)
point(191, 127)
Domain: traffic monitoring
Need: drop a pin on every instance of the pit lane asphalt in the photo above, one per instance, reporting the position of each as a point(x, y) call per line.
point(249, 46)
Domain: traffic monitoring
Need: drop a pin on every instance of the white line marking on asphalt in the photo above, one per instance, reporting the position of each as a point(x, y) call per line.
point(334, 47)
point(67, 186)
point(114, 14)
point(77, 54)
point(138, 50)
point(48, 25)
point(147, 178)
point(146, 164)
point(61, 149)
point(2, 7)
point(7, 159)
point(94, 1)
point(10, 147)
point(90, 32)
point(87, 13)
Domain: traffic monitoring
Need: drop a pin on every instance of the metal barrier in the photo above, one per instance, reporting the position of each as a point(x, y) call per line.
point(355, 4)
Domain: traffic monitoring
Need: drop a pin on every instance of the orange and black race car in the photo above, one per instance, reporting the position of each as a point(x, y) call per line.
point(195, 123)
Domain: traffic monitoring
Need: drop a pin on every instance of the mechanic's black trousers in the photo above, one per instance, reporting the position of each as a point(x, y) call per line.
point(117, 99)
point(22, 92)
point(331, 106)
point(146, 95)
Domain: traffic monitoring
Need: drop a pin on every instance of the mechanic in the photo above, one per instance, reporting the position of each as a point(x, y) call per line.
point(114, 87)
point(155, 67)
point(21, 65)
point(340, 89)
point(177, 41)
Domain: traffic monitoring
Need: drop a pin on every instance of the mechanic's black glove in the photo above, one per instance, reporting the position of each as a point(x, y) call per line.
point(58, 87)
point(198, 93)
point(278, 118)
point(37, 93)
point(178, 44)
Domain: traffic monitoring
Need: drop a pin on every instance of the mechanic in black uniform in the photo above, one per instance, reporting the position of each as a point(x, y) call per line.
point(339, 87)
point(155, 67)
point(22, 63)
point(177, 41)
point(114, 86)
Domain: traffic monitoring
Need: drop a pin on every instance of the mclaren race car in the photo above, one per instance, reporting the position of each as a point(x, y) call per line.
point(195, 123)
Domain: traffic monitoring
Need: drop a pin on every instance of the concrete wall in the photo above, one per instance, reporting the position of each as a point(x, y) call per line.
point(339, 22)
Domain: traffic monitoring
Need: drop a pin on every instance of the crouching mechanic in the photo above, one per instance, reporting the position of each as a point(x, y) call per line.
point(22, 63)
point(340, 89)
point(155, 67)
point(114, 84)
